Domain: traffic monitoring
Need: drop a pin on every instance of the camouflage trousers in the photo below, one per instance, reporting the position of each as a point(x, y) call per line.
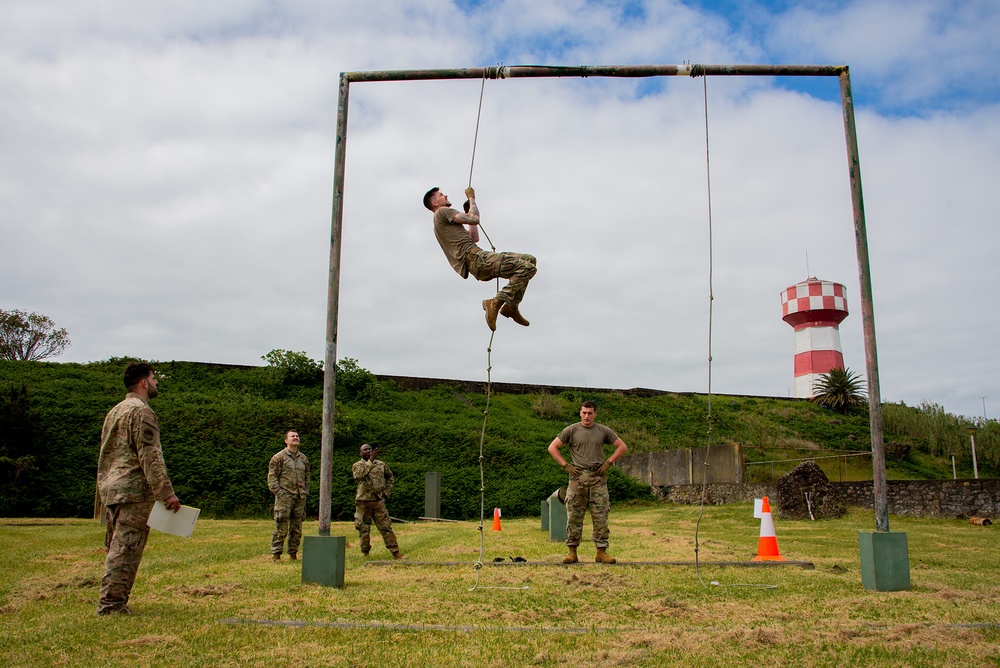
point(518, 267)
point(588, 491)
point(289, 511)
point(125, 540)
point(364, 513)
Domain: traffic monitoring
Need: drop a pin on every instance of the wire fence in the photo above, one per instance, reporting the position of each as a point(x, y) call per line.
point(785, 465)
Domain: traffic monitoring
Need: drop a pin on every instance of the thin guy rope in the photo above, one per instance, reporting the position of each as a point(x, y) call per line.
point(711, 302)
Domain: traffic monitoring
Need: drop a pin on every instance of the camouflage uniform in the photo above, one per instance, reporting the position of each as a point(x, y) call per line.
point(288, 480)
point(130, 476)
point(375, 482)
point(589, 490)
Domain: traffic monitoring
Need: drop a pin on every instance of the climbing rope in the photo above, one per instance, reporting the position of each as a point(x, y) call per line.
point(478, 566)
point(489, 385)
point(475, 142)
point(699, 71)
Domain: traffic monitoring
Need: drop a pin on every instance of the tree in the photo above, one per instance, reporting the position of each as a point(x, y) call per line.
point(840, 390)
point(29, 336)
point(294, 368)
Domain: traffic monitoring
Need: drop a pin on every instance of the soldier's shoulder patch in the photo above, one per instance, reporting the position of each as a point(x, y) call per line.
point(148, 432)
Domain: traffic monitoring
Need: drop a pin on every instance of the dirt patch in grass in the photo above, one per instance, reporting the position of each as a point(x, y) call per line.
point(198, 591)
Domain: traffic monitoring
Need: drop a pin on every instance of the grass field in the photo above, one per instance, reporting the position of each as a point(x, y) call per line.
point(200, 601)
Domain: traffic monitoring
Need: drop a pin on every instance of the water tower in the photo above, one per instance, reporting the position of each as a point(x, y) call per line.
point(815, 309)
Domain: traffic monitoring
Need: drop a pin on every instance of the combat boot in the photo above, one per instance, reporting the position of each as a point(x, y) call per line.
point(509, 310)
point(276, 557)
point(603, 557)
point(571, 557)
point(397, 555)
point(293, 555)
point(492, 308)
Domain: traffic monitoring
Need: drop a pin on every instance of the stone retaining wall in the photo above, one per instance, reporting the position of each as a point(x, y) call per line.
point(911, 498)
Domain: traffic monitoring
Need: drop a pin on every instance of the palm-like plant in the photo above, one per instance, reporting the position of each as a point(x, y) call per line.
point(840, 390)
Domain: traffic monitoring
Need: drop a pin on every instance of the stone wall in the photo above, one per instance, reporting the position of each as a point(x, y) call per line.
point(929, 498)
point(685, 466)
point(911, 498)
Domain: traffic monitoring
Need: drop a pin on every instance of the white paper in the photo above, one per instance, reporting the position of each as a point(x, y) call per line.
point(758, 508)
point(180, 523)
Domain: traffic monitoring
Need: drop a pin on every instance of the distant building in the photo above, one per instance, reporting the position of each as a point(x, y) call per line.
point(815, 309)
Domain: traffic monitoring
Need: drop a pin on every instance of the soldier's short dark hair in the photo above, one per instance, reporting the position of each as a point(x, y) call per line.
point(427, 197)
point(588, 404)
point(289, 431)
point(136, 371)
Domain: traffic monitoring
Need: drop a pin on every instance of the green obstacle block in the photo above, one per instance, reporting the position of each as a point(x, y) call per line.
point(557, 516)
point(885, 561)
point(545, 515)
point(323, 560)
point(432, 495)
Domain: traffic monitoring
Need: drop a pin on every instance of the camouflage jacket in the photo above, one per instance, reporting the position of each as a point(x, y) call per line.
point(374, 480)
point(288, 472)
point(130, 468)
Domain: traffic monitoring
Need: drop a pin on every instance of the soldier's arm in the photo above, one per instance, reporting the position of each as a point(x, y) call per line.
point(389, 481)
point(146, 435)
point(471, 217)
point(360, 470)
point(274, 475)
point(620, 449)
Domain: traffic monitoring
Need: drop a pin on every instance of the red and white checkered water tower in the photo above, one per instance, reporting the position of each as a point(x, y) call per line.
point(815, 309)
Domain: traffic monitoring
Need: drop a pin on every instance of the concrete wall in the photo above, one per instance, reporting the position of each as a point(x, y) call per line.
point(911, 498)
point(685, 466)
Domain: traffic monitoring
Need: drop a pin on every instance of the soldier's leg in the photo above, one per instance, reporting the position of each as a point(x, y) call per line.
point(128, 534)
point(298, 513)
point(600, 506)
point(519, 268)
point(363, 523)
point(576, 507)
point(282, 517)
point(384, 525)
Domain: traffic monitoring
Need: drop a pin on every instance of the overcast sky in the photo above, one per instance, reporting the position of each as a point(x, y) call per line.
point(166, 179)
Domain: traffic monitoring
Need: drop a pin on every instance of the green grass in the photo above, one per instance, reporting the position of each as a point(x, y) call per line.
point(583, 615)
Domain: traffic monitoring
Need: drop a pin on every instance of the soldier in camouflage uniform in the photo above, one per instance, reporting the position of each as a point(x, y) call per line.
point(288, 480)
point(374, 481)
point(588, 480)
point(130, 476)
point(459, 246)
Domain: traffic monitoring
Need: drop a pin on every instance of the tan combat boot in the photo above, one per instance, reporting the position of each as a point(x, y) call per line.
point(492, 308)
point(603, 557)
point(571, 557)
point(510, 311)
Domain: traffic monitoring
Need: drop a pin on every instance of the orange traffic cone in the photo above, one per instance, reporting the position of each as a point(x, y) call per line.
point(496, 520)
point(767, 546)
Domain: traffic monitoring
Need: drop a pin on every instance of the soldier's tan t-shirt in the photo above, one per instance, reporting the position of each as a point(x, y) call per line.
point(454, 239)
point(586, 444)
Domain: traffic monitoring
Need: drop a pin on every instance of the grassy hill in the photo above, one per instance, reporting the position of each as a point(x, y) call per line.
point(220, 425)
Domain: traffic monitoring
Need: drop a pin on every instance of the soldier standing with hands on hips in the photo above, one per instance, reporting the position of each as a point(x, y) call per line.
point(374, 480)
point(588, 480)
point(288, 480)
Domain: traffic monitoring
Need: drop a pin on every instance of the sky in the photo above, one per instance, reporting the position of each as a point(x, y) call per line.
point(166, 177)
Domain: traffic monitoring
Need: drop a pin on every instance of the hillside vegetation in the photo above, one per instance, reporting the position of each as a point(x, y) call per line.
point(221, 424)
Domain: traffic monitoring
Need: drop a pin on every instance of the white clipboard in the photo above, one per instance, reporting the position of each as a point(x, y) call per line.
point(180, 523)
